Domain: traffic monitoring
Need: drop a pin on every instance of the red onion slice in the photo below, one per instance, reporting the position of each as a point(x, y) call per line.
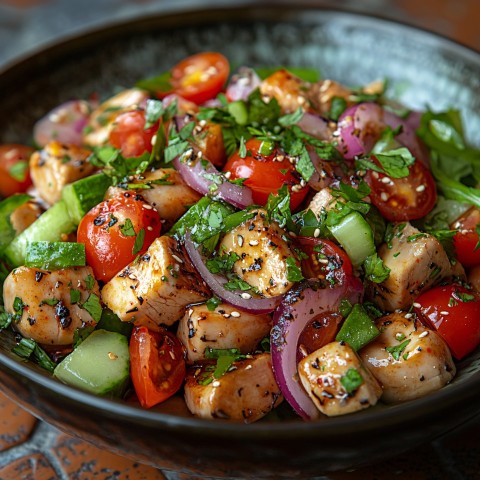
point(316, 126)
point(198, 175)
point(64, 124)
point(408, 137)
point(242, 84)
point(359, 127)
point(300, 305)
point(216, 283)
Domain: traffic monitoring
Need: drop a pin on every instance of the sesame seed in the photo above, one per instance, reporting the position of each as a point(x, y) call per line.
point(384, 196)
point(386, 180)
point(228, 174)
point(444, 313)
point(146, 206)
point(190, 311)
point(420, 188)
point(112, 356)
point(280, 158)
point(240, 240)
point(154, 139)
point(132, 277)
point(375, 174)
point(150, 228)
point(216, 383)
point(292, 234)
point(235, 314)
point(416, 305)
point(423, 334)
point(253, 243)
point(408, 315)
point(202, 123)
point(245, 296)
point(177, 258)
point(226, 315)
point(199, 154)
point(316, 233)
point(296, 188)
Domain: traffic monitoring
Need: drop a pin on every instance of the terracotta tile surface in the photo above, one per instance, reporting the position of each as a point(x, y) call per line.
point(31, 450)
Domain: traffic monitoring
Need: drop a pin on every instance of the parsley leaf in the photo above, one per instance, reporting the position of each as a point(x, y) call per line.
point(397, 350)
point(395, 162)
point(375, 270)
point(93, 307)
point(138, 245)
point(222, 263)
point(89, 282)
point(294, 274)
point(127, 228)
point(351, 380)
point(337, 106)
point(212, 303)
point(75, 296)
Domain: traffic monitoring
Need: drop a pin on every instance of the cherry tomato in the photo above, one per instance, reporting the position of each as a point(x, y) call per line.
point(326, 260)
point(453, 311)
point(407, 198)
point(157, 365)
point(318, 332)
point(14, 169)
point(116, 231)
point(266, 174)
point(130, 135)
point(467, 239)
point(199, 78)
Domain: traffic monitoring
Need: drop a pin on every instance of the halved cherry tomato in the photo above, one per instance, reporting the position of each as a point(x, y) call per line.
point(326, 260)
point(318, 332)
point(453, 311)
point(199, 78)
point(266, 174)
point(407, 198)
point(116, 231)
point(467, 239)
point(14, 169)
point(130, 135)
point(157, 365)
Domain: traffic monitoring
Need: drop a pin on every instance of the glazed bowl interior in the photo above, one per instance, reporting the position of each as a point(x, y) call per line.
point(422, 69)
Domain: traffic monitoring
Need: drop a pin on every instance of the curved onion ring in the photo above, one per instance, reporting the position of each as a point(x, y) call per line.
point(64, 124)
point(217, 282)
point(359, 127)
point(196, 176)
point(300, 305)
point(315, 125)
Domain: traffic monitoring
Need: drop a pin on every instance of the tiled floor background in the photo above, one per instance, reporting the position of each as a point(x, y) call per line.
point(32, 450)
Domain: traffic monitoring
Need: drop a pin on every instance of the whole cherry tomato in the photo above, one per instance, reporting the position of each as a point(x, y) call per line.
point(130, 135)
point(406, 198)
point(198, 78)
point(157, 365)
point(14, 169)
point(116, 231)
point(266, 173)
point(453, 311)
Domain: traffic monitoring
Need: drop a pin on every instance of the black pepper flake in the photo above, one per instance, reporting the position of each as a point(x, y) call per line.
point(38, 276)
point(140, 300)
point(132, 310)
point(31, 320)
point(62, 314)
point(99, 221)
point(251, 227)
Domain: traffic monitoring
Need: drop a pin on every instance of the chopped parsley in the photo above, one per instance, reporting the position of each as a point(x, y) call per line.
point(375, 270)
point(139, 240)
point(294, 274)
point(27, 348)
point(212, 303)
point(127, 228)
point(351, 380)
point(75, 296)
point(89, 282)
point(397, 350)
point(93, 307)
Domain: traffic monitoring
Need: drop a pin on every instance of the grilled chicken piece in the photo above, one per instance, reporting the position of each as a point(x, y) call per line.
point(417, 261)
point(167, 193)
point(222, 328)
point(102, 118)
point(44, 306)
point(337, 381)
point(417, 362)
point(156, 288)
point(246, 393)
point(321, 94)
point(323, 201)
point(55, 166)
point(24, 215)
point(263, 253)
point(289, 90)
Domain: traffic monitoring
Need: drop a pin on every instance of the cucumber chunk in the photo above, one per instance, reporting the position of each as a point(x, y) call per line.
point(358, 328)
point(99, 365)
point(51, 226)
point(55, 255)
point(355, 236)
point(81, 196)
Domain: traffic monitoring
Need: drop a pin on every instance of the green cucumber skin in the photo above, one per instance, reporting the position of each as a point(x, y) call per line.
point(55, 255)
point(99, 365)
point(84, 194)
point(51, 226)
point(7, 207)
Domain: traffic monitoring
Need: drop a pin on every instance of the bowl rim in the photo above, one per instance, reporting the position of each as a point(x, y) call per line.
point(417, 409)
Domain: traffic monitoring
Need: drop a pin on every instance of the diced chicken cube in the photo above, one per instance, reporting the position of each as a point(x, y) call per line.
point(245, 393)
point(337, 381)
point(225, 327)
point(24, 215)
point(409, 360)
point(323, 201)
point(155, 288)
point(166, 192)
point(322, 93)
point(57, 165)
point(50, 306)
point(417, 261)
point(263, 254)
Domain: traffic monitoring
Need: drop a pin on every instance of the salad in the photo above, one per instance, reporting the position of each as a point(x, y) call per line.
point(243, 240)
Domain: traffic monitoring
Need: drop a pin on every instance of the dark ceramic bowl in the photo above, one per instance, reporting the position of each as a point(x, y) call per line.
point(354, 49)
